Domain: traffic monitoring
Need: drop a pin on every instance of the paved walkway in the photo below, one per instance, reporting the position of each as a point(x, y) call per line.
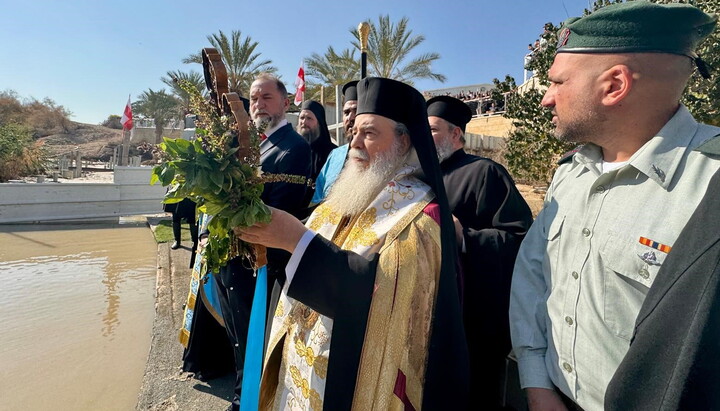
point(165, 387)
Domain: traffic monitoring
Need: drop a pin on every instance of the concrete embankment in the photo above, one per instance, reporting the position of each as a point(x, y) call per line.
point(165, 386)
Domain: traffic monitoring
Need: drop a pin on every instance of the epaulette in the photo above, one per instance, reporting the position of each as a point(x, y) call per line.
point(567, 157)
point(710, 146)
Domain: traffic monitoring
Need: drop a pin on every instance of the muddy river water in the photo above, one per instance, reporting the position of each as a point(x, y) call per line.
point(76, 311)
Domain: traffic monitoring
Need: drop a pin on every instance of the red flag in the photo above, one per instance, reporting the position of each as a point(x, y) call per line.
point(300, 85)
point(127, 120)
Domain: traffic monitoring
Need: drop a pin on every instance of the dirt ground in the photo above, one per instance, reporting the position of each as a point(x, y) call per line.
point(94, 141)
point(87, 177)
point(533, 196)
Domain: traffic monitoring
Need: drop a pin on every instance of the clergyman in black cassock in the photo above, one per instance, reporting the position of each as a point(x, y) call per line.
point(494, 218)
point(319, 139)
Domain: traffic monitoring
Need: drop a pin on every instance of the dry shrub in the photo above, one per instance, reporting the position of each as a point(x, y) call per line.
point(41, 117)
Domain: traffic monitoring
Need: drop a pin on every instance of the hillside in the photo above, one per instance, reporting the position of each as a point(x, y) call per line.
point(94, 142)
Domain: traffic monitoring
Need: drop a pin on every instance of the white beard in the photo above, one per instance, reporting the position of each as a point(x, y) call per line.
point(357, 187)
point(444, 149)
point(266, 122)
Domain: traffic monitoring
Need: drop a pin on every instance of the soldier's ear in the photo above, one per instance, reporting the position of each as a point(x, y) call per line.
point(616, 83)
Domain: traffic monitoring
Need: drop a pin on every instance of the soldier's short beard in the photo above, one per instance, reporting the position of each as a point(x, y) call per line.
point(357, 187)
point(583, 126)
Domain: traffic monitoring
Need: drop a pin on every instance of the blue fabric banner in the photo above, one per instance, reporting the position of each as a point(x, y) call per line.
point(254, 350)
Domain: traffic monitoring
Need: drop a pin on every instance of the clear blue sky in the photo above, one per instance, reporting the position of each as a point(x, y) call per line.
point(88, 55)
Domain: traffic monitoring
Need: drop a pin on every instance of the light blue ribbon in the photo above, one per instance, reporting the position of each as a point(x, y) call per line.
point(250, 395)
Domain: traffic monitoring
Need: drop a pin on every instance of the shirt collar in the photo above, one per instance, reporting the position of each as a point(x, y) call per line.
point(281, 124)
point(660, 157)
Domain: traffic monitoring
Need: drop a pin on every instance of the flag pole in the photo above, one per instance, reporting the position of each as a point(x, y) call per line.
point(364, 31)
point(126, 120)
point(122, 152)
point(125, 148)
point(300, 85)
point(302, 66)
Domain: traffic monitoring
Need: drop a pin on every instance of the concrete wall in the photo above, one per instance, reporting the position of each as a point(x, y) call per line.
point(130, 194)
point(496, 126)
point(148, 134)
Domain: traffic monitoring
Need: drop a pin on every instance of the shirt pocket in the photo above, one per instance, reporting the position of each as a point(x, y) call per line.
point(629, 269)
point(551, 233)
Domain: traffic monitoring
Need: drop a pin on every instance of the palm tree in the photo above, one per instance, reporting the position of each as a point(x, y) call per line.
point(329, 70)
point(389, 45)
point(193, 77)
point(159, 106)
point(241, 60)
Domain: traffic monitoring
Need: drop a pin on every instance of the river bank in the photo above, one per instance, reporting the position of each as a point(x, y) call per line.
point(165, 387)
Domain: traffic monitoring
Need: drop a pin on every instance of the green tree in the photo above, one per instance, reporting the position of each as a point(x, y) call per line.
point(113, 121)
point(159, 106)
point(19, 155)
point(329, 70)
point(193, 77)
point(389, 48)
point(241, 60)
point(532, 149)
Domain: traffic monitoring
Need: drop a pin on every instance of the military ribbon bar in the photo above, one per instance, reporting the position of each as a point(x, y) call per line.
point(654, 244)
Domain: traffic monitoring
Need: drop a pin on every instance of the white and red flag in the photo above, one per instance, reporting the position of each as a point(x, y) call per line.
point(300, 85)
point(127, 120)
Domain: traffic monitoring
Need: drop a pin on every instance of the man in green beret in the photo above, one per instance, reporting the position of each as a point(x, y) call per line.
point(615, 207)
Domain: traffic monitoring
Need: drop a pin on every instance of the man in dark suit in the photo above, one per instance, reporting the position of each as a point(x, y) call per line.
point(282, 151)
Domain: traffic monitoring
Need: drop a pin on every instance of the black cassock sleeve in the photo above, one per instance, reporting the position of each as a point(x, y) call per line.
point(501, 216)
point(495, 221)
point(337, 284)
point(327, 275)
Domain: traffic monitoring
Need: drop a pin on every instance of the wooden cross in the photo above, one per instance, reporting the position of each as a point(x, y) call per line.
point(229, 103)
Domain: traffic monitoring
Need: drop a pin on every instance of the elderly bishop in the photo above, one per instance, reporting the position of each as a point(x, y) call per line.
point(369, 317)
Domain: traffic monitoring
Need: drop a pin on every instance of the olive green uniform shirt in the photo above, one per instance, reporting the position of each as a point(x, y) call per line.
point(587, 262)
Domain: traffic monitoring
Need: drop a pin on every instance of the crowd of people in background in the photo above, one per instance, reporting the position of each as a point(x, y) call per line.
point(463, 95)
point(480, 102)
point(539, 44)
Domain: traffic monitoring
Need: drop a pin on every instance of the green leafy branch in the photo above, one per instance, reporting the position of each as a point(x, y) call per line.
point(209, 172)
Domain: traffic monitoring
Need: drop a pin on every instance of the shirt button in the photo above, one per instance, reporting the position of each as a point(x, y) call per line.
point(644, 273)
point(600, 189)
point(567, 367)
point(569, 320)
point(586, 232)
point(575, 275)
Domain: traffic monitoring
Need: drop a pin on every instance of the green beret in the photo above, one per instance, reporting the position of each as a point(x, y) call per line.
point(637, 27)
